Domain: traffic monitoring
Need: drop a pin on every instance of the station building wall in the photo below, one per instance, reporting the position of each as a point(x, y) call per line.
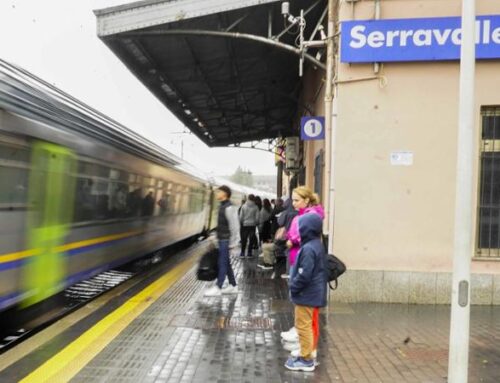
point(394, 224)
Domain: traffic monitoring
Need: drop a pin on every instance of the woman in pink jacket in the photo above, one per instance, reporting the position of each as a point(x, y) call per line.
point(305, 202)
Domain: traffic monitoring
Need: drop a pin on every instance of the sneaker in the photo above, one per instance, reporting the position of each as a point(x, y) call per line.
point(230, 290)
point(300, 364)
point(285, 276)
point(292, 330)
point(213, 291)
point(291, 346)
point(296, 353)
point(265, 266)
point(290, 336)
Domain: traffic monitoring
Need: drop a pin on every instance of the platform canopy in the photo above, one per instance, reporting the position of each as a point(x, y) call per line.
point(228, 69)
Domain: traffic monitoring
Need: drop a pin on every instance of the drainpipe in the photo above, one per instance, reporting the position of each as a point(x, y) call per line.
point(376, 66)
point(328, 203)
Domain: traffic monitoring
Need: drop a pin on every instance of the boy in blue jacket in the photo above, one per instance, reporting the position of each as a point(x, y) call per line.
point(308, 288)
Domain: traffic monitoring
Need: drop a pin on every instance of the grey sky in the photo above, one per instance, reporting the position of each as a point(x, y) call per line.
point(57, 41)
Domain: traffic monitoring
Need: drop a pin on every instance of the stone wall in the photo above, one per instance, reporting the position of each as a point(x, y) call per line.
point(411, 287)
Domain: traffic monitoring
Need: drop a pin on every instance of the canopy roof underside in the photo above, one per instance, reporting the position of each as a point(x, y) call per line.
point(200, 60)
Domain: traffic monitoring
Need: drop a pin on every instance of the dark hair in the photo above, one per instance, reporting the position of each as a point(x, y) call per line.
point(251, 197)
point(267, 205)
point(258, 202)
point(226, 190)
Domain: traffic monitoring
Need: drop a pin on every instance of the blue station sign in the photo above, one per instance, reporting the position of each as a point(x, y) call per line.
point(425, 39)
point(312, 128)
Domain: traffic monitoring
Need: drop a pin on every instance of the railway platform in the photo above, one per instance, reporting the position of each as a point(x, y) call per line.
point(162, 329)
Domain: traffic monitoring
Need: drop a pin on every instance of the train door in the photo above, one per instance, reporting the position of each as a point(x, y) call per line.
point(51, 196)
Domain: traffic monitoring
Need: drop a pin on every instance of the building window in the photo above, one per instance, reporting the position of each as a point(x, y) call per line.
point(318, 174)
point(488, 238)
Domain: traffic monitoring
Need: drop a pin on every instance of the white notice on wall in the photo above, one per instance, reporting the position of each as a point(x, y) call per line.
point(401, 158)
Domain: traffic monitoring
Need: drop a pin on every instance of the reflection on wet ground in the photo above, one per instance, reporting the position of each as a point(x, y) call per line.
point(184, 337)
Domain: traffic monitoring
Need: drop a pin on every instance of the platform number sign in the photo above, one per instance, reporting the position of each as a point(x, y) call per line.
point(312, 128)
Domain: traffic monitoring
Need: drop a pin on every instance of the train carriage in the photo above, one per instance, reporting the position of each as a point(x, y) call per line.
point(80, 193)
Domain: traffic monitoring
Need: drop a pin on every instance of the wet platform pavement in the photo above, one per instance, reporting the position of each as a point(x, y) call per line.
point(185, 337)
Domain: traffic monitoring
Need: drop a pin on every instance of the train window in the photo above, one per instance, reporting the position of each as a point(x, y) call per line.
point(199, 199)
point(185, 196)
point(148, 204)
point(92, 199)
point(85, 202)
point(14, 153)
point(118, 200)
point(161, 203)
point(114, 174)
point(14, 186)
point(133, 201)
point(93, 169)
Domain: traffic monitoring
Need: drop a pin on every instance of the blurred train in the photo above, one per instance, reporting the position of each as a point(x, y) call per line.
point(80, 193)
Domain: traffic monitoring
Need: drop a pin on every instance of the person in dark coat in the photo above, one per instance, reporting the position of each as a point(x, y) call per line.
point(308, 288)
point(228, 237)
point(277, 209)
point(284, 219)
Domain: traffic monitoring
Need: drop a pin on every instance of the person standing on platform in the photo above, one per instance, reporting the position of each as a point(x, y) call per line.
point(305, 202)
point(228, 236)
point(249, 218)
point(265, 221)
point(284, 219)
point(308, 289)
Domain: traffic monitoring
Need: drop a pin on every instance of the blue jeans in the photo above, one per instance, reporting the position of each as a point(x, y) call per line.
point(225, 265)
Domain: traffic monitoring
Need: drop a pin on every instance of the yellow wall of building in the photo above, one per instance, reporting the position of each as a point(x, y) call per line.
point(401, 218)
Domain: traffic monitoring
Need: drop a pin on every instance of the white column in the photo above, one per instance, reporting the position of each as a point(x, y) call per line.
point(327, 228)
point(463, 244)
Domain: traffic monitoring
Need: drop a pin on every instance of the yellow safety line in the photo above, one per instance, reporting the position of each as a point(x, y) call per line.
point(68, 362)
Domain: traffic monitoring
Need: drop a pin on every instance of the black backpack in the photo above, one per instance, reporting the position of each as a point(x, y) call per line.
point(334, 269)
point(208, 266)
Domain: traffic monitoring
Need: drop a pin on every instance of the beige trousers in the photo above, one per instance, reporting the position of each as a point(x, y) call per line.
point(303, 324)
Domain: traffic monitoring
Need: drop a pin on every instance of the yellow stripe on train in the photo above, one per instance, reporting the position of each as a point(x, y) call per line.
point(10, 257)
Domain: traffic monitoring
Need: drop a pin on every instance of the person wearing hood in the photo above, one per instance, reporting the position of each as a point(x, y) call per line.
point(308, 289)
point(305, 202)
point(249, 219)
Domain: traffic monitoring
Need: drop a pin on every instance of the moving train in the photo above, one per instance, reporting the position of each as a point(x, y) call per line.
point(80, 193)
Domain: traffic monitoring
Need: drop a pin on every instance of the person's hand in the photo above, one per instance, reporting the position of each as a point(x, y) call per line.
point(289, 244)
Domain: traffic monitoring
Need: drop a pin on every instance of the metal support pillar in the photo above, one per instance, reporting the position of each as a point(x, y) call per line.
point(279, 182)
point(328, 203)
point(463, 244)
